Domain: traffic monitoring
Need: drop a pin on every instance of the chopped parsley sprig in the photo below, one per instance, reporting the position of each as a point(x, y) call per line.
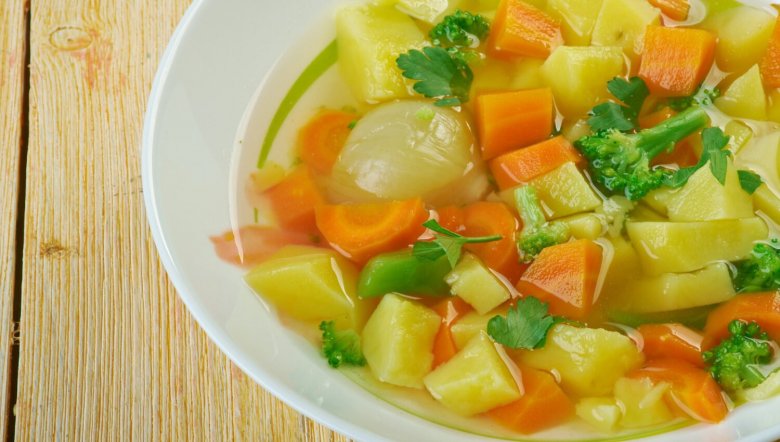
point(446, 243)
point(525, 325)
point(622, 117)
point(439, 74)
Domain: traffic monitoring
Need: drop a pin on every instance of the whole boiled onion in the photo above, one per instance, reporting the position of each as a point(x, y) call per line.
point(408, 149)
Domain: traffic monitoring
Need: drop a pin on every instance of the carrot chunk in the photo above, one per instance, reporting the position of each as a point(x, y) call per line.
point(320, 141)
point(763, 308)
point(450, 310)
point(684, 153)
point(525, 164)
point(293, 200)
point(675, 61)
point(693, 389)
point(543, 405)
point(770, 63)
point(674, 9)
point(509, 120)
point(674, 341)
point(521, 29)
point(565, 276)
point(361, 231)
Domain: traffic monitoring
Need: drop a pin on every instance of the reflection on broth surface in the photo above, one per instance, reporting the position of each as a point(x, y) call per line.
point(529, 219)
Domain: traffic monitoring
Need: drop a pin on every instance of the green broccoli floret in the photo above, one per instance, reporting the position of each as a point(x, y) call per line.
point(537, 233)
point(703, 96)
point(733, 363)
point(461, 29)
point(341, 347)
point(621, 162)
point(761, 271)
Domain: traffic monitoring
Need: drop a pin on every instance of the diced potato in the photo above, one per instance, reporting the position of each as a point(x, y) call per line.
point(659, 199)
point(370, 39)
point(766, 201)
point(578, 76)
point(643, 212)
point(577, 17)
point(589, 360)
point(642, 402)
point(528, 74)
point(565, 191)
point(615, 210)
point(429, 11)
point(740, 135)
point(743, 35)
point(492, 76)
point(475, 380)
point(601, 412)
point(762, 155)
point(703, 198)
point(398, 341)
point(745, 98)
point(267, 177)
point(667, 247)
point(675, 291)
point(311, 284)
point(765, 390)
point(472, 281)
point(623, 23)
point(584, 226)
point(623, 268)
point(470, 324)
point(773, 107)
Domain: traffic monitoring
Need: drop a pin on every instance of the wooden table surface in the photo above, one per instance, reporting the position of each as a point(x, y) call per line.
point(94, 342)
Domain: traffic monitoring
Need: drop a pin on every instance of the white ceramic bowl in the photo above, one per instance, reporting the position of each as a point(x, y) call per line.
point(208, 83)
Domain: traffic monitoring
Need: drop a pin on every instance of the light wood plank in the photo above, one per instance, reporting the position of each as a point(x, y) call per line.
point(13, 27)
point(108, 350)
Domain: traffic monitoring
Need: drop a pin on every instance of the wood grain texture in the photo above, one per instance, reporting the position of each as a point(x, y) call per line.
point(13, 26)
point(108, 351)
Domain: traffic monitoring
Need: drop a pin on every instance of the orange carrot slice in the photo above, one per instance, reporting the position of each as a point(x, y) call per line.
point(525, 164)
point(320, 141)
point(361, 231)
point(763, 308)
point(675, 61)
point(293, 200)
point(490, 218)
point(564, 276)
point(674, 341)
point(684, 153)
point(450, 310)
point(674, 9)
point(543, 405)
point(770, 63)
point(255, 243)
point(509, 120)
point(520, 29)
point(693, 389)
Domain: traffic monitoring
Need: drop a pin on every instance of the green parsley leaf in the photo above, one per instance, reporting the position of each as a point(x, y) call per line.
point(525, 326)
point(714, 152)
point(703, 96)
point(439, 75)
point(460, 29)
point(632, 93)
point(749, 181)
point(446, 243)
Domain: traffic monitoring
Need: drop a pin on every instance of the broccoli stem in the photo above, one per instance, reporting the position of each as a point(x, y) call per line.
point(656, 140)
point(527, 202)
point(753, 375)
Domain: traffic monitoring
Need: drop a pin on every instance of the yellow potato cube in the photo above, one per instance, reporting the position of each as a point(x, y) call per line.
point(762, 155)
point(528, 74)
point(667, 247)
point(577, 17)
point(588, 360)
point(766, 201)
point(642, 402)
point(623, 23)
point(584, 226)
point(311, 284)
point(475, 380)
point(740, 135)
point(703, 198)
point(565, 191)
point(745, 98)
point(470, 324)
point(578, 76)
point(601, 412)
point(743, 35)
point(472, 281)
point(398, 341)
point(370, 39)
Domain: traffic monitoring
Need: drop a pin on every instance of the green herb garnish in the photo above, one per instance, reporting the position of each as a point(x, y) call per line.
point(446, 243)
point(525, 325)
